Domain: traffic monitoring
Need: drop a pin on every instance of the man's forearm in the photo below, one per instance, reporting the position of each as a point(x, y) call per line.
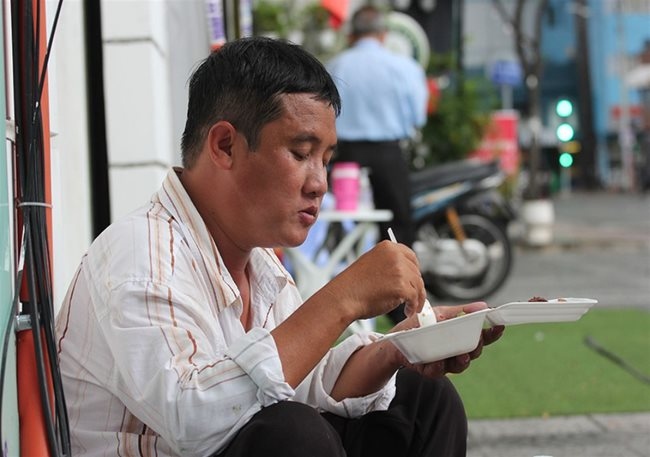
point(367, 371)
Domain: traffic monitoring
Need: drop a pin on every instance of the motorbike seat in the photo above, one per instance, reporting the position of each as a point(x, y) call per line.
point(448, 173)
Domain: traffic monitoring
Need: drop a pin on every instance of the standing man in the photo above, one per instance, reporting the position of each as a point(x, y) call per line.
point(384, 100)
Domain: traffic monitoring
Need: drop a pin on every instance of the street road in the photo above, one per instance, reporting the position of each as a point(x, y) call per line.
point(601, 250)
point(617, 276)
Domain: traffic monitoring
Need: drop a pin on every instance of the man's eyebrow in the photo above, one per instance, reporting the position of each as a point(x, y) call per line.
point(305, 138)
point(302, 138)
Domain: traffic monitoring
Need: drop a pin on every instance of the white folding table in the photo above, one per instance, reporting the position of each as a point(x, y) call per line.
point(311, 275)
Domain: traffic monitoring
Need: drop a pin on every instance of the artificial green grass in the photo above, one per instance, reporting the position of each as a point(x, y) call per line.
point(547, 369)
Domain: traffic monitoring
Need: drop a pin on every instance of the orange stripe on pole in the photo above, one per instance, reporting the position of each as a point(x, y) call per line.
point(45, 116)
point(33, 435)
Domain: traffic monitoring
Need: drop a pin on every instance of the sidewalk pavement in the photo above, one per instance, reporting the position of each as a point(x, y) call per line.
point(582, 220)
point(594, 435)
point(599, 219)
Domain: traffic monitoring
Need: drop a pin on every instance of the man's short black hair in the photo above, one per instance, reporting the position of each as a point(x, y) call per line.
point(242, 83)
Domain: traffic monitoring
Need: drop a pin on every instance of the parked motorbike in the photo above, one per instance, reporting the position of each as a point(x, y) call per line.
point(462, 241)
point(462, 219)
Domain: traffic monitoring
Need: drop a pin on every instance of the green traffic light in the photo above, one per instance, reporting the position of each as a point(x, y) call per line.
point(566, 160)
point(564, 108)
point(564, 132)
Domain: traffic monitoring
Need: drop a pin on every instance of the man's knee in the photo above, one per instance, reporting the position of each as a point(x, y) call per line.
point(442, 393)
point(300, 426)
point(450, 399)
point(289, 429)
point(436, 406)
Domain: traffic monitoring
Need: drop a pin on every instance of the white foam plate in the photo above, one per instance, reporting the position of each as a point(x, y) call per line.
point(556, 310)
point(441, 340)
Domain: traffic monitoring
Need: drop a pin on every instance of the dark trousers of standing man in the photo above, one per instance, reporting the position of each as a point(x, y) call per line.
point(389, 178)
point(391, 188)
point(425, 419)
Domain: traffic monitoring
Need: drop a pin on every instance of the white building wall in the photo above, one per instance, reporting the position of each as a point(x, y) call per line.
point(150, 49)
point(486, 38)
point(71, 223)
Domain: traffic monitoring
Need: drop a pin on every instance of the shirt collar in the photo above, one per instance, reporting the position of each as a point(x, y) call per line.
point(268, 274)
point(367, 42)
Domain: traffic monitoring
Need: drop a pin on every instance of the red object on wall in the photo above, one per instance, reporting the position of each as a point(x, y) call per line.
point(501, 141)
point(33, 434)
point(434, 95)
point(338, 11)
point(632, 110)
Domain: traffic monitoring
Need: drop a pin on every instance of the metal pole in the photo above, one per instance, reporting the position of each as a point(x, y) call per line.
point(625, 138)
point(506, 96)
point(231, 12)
point(586, 160)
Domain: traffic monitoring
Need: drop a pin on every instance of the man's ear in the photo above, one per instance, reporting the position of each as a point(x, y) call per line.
point(220, 142)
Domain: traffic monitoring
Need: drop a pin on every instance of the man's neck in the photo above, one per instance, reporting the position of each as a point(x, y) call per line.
point(234, 257)
point(379, 37)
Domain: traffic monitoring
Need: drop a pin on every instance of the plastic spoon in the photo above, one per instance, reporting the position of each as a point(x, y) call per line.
point(426, 316)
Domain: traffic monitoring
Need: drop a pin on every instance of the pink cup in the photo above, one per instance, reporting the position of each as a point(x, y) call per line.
point(345, 185)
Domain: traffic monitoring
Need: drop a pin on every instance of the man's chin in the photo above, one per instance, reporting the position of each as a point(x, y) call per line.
point(297, 238)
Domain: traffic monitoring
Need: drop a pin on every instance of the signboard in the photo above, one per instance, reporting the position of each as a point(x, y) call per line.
point(216, 23)
point(506, 73)
point(501, 141)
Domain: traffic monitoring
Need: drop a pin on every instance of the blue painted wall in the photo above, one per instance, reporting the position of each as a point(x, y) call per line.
point(606, 24)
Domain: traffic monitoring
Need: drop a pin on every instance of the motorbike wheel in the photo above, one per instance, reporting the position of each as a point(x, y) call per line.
point(477, 285)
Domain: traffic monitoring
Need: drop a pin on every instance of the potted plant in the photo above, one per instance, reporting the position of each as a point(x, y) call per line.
point(459, 114)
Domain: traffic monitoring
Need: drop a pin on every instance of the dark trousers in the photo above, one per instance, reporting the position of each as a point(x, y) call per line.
point(425, 419)
point(389, 178)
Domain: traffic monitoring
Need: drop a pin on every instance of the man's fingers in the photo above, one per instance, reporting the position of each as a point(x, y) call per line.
point(490, 335)
point(458, 364)
point(435, 369)
point(477, 352)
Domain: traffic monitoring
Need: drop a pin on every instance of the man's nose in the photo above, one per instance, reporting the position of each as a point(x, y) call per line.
point(317, 181)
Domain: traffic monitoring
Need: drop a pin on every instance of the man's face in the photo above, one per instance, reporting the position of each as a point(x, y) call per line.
point(282, 183)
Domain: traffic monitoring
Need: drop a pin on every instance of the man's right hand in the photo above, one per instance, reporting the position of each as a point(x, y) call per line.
point(379, 281)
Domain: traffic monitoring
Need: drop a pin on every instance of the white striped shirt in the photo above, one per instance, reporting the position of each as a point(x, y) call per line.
point(154, 359)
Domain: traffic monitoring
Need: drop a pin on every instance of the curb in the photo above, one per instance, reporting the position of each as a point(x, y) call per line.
point(576, 236)
point(573, 243)
point(489, 429)
point(589, 435)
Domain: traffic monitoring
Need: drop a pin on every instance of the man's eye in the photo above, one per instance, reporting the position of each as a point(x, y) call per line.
point(300, 155)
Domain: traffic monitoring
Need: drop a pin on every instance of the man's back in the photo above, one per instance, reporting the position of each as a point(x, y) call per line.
point(383, 94)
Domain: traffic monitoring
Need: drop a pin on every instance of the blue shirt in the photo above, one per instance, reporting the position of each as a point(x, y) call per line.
point(383, 95)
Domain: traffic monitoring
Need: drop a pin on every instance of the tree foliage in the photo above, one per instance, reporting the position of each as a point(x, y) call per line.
point(457, 125)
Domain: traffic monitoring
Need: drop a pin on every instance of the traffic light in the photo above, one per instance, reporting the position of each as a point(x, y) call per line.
point(566, 150)
point(566, 160)
point(564, 121)
point(564, 108)
point(566, 128)
point(565, 132)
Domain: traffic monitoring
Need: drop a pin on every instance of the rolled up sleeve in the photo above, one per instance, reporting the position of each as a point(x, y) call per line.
point(315, 389)
point(257, 355)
